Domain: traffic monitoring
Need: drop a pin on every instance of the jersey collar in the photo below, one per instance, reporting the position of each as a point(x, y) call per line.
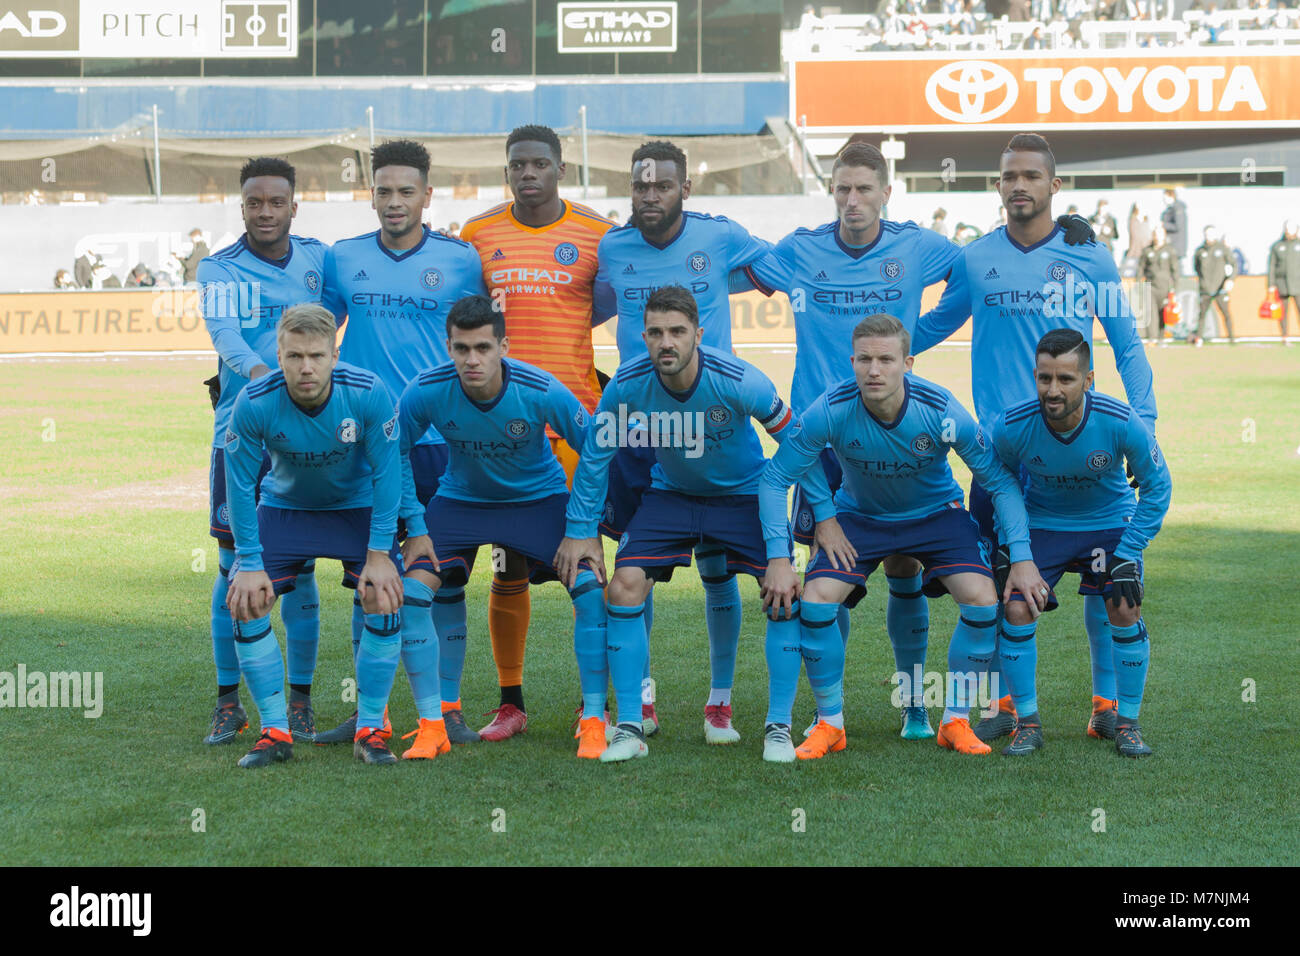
point(902, 409)
point(1078, 429)
point(399, 256)
point(684, 397)
point(278, 263)
point(1041, 242)
point(514, 220)
point(857, 252)
point(680, 232)
point(315, 412)
point(488, 406)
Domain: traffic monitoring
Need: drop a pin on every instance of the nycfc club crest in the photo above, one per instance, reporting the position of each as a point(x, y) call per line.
point(805, 520)
point(312, 280)
point(517, 428)
point(891, 269)
point(347, 431)
point(718, 415)
point(390, 427)
point(1057, 271)
point(1099, 460)
point(580, 418)
point(566, 253)
point(223, 515)
point(431, 278)
point(922, 444)
point(698, 262)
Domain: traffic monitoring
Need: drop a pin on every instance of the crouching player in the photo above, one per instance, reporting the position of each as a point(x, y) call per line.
point(1074, 443)
point(891, 433)
point(332, 492)
point(503, 486)
point(692, 404)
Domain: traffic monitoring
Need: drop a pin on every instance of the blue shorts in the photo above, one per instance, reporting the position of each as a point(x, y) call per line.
point(292, 540)
point(946, 542)
point(801, 511)
point(459, 528)
point(428, 464)
point(1060, 552)
point(629, 479)
point(669, 525)
point(218, 509)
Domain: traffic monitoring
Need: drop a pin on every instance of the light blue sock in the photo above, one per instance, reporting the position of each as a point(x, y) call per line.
point(263, 667)
point(223, 627)
point(358, 625)
point(907, 615)
point(381, 647)
point(649, 624)
point(625, 644)
point(1132, 649)
point(1099, 646)
point(449, 622)
point(300, 612)
point(842, 622)
point(420, 648)
point(970, 653)
point(589, 636)
point(823, 655)
point(721, 615)
point(1018, 651)
point(781, 648)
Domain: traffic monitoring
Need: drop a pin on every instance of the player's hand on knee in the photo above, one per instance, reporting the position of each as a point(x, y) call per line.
point(780, 589)
point(572, 553)
point(1125, 582)
point(828, 536)
point(420, 546)
point(250, 595)
point(1002, 569)
point(1024, 577)
point(380, 584)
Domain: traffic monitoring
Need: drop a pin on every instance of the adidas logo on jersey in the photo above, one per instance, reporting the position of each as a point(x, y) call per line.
point(629, 271)
point(497, 255)
point(855, 444)
point(280, 436)
point(991, 274)
point(360, 276)
point(821, 276)
point(1037, 460)
point(451, 426)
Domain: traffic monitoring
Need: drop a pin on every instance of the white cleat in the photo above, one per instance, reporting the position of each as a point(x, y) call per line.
point(626, 745)
point(777, 745)
point(717, 725)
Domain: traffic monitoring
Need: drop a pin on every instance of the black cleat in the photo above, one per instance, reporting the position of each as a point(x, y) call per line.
point(1101, 724)
point(1128, 741)
point(458, 732)
point(1002, 724)
point(342, 734)
point(302, 720)
point(267, 750)
point(1027, 737)
point(228, 721)
point(372, 748)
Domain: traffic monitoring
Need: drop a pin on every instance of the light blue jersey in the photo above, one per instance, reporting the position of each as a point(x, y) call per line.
point(243, 297)
point(1017, 295)
point(1077, 481)
point(704, 442)
point(833, 286)
point(396, 303)
point(893, 471)
point(700, 258)
point(342, 454)
point(498, 450)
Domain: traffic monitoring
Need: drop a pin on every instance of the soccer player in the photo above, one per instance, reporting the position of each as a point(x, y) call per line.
point(245, 289)
point(395, 286)
point(892, 433)
point(539, 263)
point(662, 245)
point(332, 492)
point(1074, 442)
point(503, 486)
point(694, 403)
point(1018, 283)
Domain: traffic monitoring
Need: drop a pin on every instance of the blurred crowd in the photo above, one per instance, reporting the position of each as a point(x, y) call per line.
point(89, 271)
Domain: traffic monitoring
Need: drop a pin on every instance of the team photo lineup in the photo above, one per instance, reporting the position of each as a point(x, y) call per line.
point(463, 408)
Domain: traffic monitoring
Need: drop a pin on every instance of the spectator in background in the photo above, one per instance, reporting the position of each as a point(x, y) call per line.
point(1174, 218)
point(1035, 40)
point(1158, 271)
point(1018, 11)
point(102, 278)
point(1041, 10)
point(965, 234)
point(83, 269)
point(198, 252)
point(1076, 10)
point(968, 25)
point(939, 223)
point(1001, 220)
point(453, 230)
point(1139, 233)
point(1214, 270)
point(140, 277)
point(612, 216)
point(1284, 270)
point(63, 280)
point(1105, 226)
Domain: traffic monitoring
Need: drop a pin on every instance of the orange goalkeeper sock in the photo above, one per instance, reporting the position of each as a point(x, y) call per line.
point(509, 611)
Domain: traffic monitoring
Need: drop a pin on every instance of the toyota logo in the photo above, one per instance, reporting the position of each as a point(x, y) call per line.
point(968, 91)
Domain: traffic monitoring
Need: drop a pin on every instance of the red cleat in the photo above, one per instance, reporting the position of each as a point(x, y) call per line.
point(509, 720)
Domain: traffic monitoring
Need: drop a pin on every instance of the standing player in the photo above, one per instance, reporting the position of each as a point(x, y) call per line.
point(332, 492)
point(1073, 443)
point(696, 402)
point(503, 485)
point(539, 263)
point(1019, 282)
point(245, 289)
point(892, 433)
point(659, 246)
point(395, 286)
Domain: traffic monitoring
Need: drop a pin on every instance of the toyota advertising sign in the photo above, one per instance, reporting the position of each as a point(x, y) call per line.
point(1143, 89)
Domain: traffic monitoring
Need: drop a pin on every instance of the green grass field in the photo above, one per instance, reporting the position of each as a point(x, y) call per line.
point(103, 522)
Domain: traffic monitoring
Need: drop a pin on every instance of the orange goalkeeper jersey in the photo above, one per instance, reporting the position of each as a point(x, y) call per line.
point(545, 275)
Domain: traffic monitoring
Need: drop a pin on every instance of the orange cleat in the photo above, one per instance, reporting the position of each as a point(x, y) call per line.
point(823, 740)
point(957, 735)
point(430, 740)
point(1101, 725)
point(591, 739)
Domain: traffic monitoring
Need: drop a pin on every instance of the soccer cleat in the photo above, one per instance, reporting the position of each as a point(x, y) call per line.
point(816, 719)
point(1000, 724)
point(272, 747)
point(302, 720)
point(649, 720)
point(1101, 725)
point(717, 725)
point(777, 745)
point(509, 720)
point(957, 735)
point(591, 738)
point(228, 721)
point(370, 747)
point(628, 743)
point(458, 731)
point(916, 724)
point(825, 739)
point(1128, 740)
point(1027, 738)
point(347, 731)
point(430, 741)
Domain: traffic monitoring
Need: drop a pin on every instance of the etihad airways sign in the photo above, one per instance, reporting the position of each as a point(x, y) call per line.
point(1114, 90)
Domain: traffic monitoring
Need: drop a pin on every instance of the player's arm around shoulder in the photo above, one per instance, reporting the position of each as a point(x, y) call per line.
point(1118, 322)
point(251, 593)
point(380, 586)
point(565, 414)
point(1155, 486)
point(952, 311)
